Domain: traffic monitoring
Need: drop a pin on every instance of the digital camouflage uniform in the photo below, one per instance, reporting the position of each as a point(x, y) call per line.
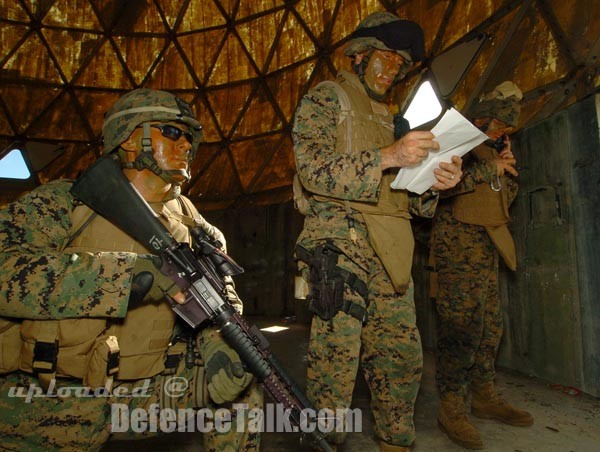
point(83, 424)
point(467, 303)
point(388, 345)
point(66, 310)
point(40, 282)
point(465, 251)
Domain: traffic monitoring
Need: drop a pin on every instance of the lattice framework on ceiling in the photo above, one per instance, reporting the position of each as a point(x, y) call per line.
point(244, 65)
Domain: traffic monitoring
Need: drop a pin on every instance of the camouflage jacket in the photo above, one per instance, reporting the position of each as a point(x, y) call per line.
point(38, 280)
point(354, 176)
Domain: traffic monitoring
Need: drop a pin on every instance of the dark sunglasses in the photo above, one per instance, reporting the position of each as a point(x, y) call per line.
point(173, 133)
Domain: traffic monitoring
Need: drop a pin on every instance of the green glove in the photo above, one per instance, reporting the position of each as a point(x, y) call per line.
point(224, 370)
point(148, 282)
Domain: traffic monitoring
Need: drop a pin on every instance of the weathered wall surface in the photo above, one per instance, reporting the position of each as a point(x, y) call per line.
point(586, 206)
point(261, 239)
point(553, 314)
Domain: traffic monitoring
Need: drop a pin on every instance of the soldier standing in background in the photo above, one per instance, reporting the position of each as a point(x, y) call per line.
point(356, 246)
point(85, 306)
point(469, 233)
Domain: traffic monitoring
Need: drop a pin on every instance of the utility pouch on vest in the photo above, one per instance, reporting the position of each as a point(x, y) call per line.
point(103, 362)
point(393, 242)
point(39, 351)
point(10, 345)
point(59, 348)
point(326, 284)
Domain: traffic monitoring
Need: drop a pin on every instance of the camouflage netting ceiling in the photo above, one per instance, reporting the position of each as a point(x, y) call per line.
point(244, 64)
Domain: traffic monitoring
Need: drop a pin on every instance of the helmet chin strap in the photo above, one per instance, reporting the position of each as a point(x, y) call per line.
point(360, 70)
point(146, 160)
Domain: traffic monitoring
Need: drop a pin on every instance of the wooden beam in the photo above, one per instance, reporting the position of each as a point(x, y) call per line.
point(496, 57)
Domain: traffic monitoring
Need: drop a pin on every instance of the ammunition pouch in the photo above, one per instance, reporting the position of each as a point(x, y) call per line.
point(103, 363)
point(10, 345)
point(326, 283)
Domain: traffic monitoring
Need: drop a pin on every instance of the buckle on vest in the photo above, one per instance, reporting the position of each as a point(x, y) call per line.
point(172, 363)
point(112, 365)
point(113, 356)
point(44, 357)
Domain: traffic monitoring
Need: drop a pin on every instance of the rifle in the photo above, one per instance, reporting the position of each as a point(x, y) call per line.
point(199, 273)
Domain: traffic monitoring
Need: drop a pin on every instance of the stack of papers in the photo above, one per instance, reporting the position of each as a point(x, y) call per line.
point(456, 136)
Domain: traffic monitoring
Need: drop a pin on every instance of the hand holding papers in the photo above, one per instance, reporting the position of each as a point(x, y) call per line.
point(456, 136)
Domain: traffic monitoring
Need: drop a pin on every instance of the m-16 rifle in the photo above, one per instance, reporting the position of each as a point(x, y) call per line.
point(199, 272)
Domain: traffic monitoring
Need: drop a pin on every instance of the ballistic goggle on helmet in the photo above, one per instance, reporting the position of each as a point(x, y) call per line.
point(142, 106)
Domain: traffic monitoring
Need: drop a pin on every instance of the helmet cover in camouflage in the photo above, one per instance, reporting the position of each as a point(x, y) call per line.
point(386, 31)
point(502, 103)
point(145, 105)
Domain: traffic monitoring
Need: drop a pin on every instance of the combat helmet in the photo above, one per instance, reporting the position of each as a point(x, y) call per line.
point(502, 103)
point(386, 31)
point(142, 106)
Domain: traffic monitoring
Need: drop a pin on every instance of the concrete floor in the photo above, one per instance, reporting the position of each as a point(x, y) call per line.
point(565, 421)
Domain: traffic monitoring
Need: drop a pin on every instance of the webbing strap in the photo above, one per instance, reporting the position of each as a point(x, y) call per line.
point(45, 352)
point(349, 278)
point(79, 228)
point(356, 311)
point(355, 283)
point(113, 357)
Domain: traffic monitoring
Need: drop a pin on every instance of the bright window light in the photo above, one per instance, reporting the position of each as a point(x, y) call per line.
point(424, 107)
point(13, 166)
point(274, 329)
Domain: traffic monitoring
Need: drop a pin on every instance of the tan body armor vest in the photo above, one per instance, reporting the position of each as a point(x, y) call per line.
point(484, 206)
point(489, 208)
point(85, 346)
point(367, 124)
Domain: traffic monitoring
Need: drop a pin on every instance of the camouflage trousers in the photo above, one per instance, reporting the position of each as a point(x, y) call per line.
point(468, 306)
point(69, 422)
point(388, 348)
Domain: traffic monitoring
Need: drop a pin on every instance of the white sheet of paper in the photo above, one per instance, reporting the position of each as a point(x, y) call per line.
point(456, 136)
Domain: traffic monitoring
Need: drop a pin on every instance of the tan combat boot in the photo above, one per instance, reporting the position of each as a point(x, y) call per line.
point(385, 447)
point(452, 419)
point(487, 404)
